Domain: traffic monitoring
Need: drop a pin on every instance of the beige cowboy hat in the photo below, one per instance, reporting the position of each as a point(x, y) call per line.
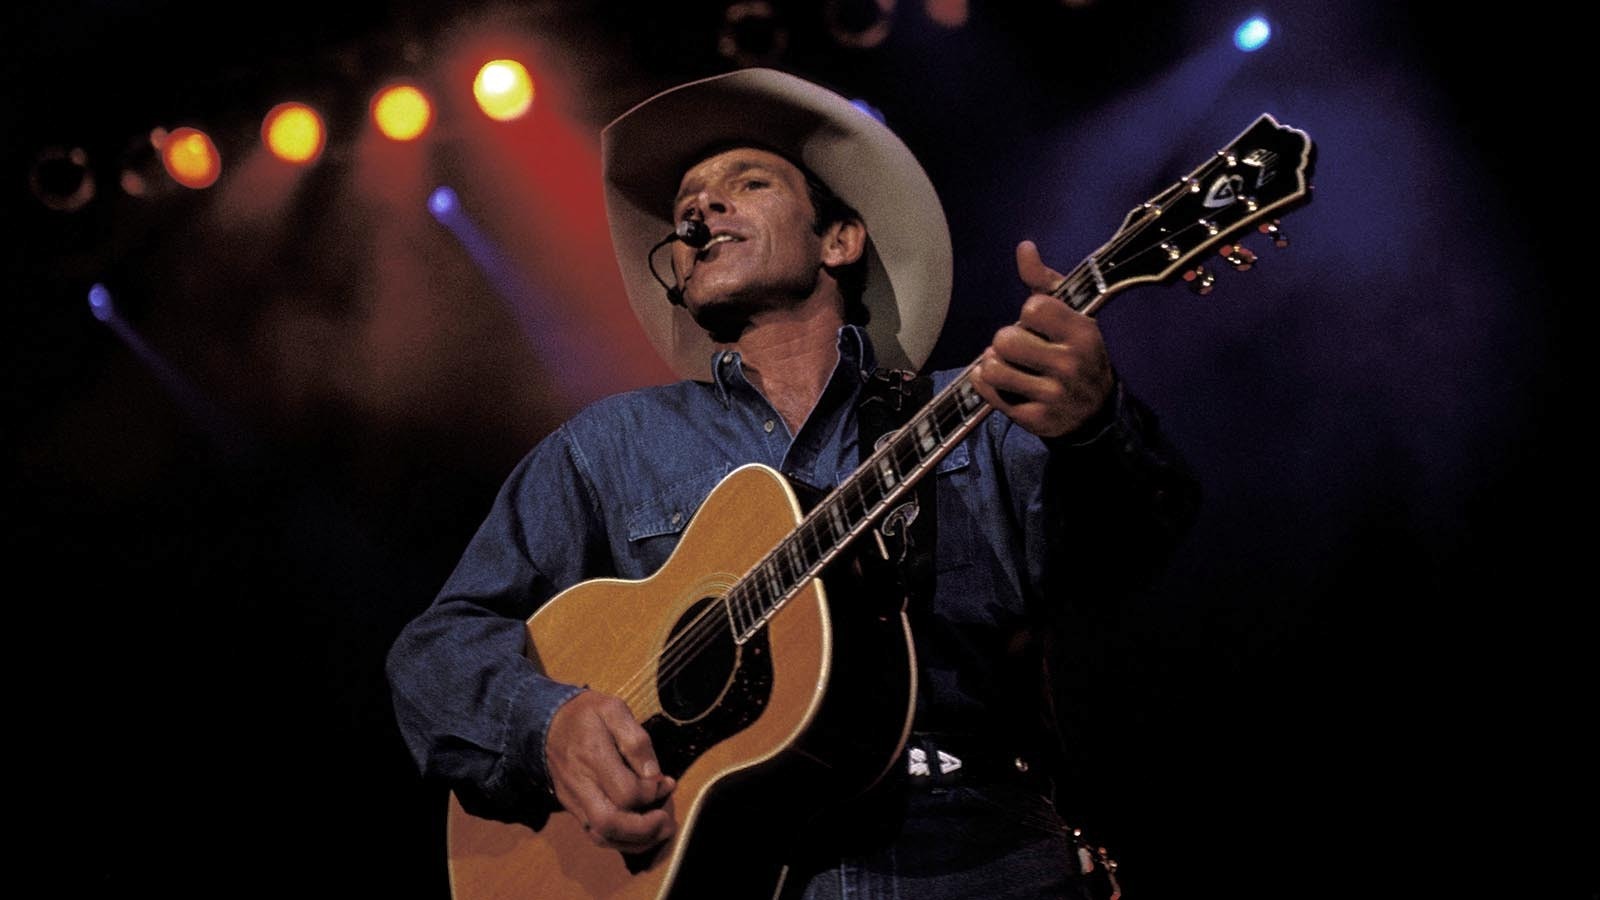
point(646, 150)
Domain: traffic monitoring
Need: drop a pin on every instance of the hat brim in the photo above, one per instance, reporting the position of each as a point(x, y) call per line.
point(646, 150)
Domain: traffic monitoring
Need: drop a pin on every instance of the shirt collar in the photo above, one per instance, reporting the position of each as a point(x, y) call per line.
point(856, 356)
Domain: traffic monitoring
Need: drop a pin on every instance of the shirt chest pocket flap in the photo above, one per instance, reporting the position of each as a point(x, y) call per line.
point(670, 504)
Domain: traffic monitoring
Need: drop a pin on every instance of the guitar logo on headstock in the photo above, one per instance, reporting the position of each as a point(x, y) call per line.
point(1224, 191)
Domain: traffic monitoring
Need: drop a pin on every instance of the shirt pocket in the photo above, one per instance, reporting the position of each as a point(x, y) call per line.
point(670, 505)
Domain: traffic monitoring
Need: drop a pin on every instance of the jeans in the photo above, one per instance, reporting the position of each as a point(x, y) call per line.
point(995, 841)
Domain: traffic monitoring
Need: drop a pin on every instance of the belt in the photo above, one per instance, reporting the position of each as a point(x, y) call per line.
point(939, 759)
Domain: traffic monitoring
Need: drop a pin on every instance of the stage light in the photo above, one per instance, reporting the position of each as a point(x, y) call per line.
point(442, 202)
point(949, 13)
point(504, 89)
point(751, 34)
point(61, 179)
point(100, 303)
point(191, 158)
point(1252, 35)
point(869, 109)
point(859, 24)
point(402, 112)
point(294, 133)
point(140, 169)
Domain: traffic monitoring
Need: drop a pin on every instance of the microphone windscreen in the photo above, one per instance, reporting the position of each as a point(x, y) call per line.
point(694, 233)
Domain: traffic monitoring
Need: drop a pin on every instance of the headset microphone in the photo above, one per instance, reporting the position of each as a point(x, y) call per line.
point(693, 232)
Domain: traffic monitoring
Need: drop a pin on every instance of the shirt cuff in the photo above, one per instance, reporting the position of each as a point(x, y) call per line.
point(1105, 423)
point(528, 724)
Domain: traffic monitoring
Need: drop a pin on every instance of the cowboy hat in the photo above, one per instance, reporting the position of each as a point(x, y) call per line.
point(646, 150)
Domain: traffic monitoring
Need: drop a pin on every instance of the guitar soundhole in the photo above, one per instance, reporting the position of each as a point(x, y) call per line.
point(700, 662)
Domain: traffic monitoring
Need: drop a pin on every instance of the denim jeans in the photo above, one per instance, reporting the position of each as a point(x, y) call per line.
point(999, 841)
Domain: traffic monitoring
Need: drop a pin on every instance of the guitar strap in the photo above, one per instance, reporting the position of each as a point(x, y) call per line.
point(905, 535)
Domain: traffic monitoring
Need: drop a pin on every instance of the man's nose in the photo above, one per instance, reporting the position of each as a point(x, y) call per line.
point(711, 200)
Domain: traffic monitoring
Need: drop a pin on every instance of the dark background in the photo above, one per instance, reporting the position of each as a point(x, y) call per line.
point(1365, 673)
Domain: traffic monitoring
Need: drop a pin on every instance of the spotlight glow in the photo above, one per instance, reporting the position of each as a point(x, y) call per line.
point(504, 89)
point(1252, 35)
point(293, 132)
point(191, 158)
point(442, 201)
point(402, 112)
point(100, 303)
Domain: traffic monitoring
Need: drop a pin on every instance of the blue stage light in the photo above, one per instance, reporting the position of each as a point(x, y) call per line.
point(442, 201)
point(1252, 35)
point(100, 303)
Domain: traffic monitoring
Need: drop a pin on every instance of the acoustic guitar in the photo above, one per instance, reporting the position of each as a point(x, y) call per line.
point(768, 698)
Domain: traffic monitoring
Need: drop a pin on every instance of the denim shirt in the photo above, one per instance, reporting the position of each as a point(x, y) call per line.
point(608, 495)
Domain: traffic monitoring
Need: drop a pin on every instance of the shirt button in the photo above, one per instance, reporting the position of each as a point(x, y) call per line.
point(677, 517)
point(727, 357)
point(768, 425)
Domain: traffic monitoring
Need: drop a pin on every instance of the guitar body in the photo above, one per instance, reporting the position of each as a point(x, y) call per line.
point(762, 737)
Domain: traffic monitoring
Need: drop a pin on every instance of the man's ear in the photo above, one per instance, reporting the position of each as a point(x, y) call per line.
point(843, 242)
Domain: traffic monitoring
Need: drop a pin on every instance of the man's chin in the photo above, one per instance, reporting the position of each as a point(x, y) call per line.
point(724, 321)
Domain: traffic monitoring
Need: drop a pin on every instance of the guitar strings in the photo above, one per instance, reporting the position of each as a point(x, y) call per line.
point(707, 626)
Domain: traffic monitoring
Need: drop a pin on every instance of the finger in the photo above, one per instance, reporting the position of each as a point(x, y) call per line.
point(1024, 349)
point(1054, 320)
point(640, 782)
point(633, 742)
point(633, 832)
point(1013, 386)
point(1039, 277)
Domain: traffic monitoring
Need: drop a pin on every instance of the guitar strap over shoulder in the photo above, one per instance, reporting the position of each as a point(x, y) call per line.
point(905, 536)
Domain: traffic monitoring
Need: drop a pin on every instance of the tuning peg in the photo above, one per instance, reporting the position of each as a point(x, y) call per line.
point(1272, 231)
point(1238, 255)
point(1200, 281)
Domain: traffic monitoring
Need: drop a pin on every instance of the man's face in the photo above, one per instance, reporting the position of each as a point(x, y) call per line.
point(763, 253)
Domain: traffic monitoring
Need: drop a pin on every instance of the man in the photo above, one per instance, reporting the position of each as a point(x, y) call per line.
point(822, 257)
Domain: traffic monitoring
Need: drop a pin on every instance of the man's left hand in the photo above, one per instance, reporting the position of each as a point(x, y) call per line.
point(1049, 372)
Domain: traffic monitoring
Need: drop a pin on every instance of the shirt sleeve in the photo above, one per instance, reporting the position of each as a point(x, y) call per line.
point(1103, 508)
point(471, 707)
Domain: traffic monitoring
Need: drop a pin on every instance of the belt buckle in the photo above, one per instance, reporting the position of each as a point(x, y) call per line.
point(938, 765)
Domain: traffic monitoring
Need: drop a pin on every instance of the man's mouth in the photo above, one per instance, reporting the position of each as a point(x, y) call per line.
point(723, 238)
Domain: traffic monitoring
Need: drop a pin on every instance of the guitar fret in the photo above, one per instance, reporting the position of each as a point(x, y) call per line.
point(907, 455)
point(836, 521)
point(887, 475)
point(968, 399)
point(871, 490)
point(855, 503)
point(773, 585)
point(796, 566)
point(739, 611)
point(925, 430)
point(810, 544)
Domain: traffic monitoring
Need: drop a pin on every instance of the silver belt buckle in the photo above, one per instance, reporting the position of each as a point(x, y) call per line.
point(917, 763)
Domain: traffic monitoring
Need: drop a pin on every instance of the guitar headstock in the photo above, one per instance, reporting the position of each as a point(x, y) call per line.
point(1248, 185)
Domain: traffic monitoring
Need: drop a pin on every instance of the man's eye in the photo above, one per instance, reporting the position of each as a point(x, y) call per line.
point(755, 183)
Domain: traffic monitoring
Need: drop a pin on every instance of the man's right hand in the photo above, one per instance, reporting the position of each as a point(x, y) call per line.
point(604, 771)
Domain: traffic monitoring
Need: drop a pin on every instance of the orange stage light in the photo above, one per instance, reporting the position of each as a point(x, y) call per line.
point(191, 158)
point(402, 112)
point(294, 133)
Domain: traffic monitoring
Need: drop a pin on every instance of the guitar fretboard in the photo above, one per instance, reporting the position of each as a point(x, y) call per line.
point(845, 513)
